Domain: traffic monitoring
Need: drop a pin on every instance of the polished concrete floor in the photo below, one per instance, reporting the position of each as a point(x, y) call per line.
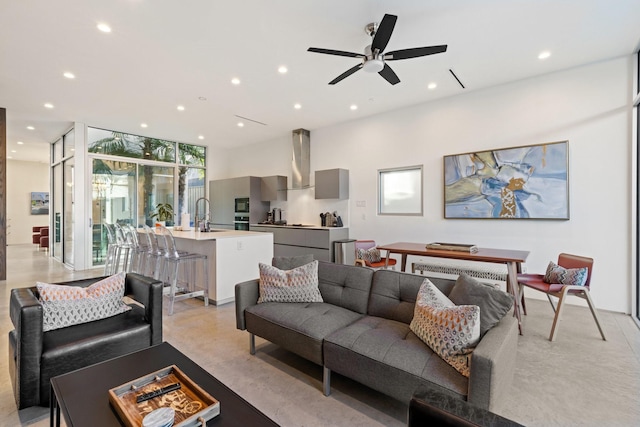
point(579, 380)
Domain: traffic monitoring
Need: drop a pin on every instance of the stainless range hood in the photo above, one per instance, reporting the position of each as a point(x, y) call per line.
point(301, 163)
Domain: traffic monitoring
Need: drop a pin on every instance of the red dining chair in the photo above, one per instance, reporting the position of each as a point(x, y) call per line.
point(561, 291)
point(367, 255)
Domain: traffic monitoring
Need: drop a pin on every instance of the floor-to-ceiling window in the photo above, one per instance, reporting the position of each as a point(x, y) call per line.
point(132, 175)
point(62, 184)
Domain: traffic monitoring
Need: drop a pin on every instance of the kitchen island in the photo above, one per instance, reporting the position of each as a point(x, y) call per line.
point(233, 257)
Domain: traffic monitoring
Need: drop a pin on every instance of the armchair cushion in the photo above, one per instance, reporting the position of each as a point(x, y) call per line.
point(566, 276)
point(64, 305)
point(371, 255)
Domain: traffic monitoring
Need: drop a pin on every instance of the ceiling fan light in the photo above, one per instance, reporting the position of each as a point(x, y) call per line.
point(373, 66)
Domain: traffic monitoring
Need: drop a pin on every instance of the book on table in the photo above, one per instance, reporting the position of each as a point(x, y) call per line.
point(460, 247)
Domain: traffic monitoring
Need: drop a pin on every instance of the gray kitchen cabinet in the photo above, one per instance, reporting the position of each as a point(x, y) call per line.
point(224, 192)
point(222, 201)
point(293, 241)
point(332, 184)
point(274, 188)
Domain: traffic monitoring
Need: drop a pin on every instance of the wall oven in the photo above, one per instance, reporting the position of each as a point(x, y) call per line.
point(242, 205)
point(241, 223)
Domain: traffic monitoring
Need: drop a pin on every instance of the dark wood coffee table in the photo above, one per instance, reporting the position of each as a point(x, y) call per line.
point(83, 396)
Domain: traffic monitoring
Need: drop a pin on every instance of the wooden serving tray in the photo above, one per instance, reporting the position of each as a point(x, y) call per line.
point(193, 405)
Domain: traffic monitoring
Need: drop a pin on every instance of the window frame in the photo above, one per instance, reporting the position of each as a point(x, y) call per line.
point(381, 199)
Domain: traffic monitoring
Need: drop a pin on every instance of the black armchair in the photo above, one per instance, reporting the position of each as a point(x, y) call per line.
point(36, 356)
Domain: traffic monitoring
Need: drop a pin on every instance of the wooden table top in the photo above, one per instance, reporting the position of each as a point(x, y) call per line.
point(483, 254)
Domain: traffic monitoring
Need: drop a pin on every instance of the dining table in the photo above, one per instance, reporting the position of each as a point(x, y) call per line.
point(513, 259)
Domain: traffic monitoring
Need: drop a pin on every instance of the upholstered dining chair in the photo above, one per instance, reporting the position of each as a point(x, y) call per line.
point(367, 255)
point(561, 291)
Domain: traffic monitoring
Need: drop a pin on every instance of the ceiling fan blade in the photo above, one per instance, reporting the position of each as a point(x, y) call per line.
point(345, 74)
point(414, 53)
point(389, 75)
point(383, 33)
point(335, 52)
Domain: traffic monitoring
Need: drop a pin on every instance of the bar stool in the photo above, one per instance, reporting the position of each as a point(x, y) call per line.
point(124, 245)
point(112, 250)
point(153, 257)
point(138, 250)
point(171, 268)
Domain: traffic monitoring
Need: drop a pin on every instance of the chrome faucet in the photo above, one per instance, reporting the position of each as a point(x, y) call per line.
point(197, 219)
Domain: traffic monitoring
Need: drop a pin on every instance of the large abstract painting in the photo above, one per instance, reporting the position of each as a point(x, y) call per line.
point(530, 182)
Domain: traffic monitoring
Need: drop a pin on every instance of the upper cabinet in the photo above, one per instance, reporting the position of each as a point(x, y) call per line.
point(332, 184)
point(222, 195)
point(274, 188)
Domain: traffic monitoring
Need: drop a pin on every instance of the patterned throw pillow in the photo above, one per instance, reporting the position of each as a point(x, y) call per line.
point(370, 255)
point(297, 285)
point(64, 305)
point(565, 276)
point(450, 331)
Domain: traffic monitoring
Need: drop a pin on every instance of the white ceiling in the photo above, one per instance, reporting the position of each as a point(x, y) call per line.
point(165, 53)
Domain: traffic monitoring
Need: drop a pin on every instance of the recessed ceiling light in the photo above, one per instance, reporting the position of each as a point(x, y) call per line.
point(200, 137)
point(354, 107)
point(544, 54)
point(282, 69)
point(180, 107)
point(297, 106)
point(13, 151)
point(73, 149)
point(240, 124)
point(235, 81)
point(48, 105)
point(143, 125)
point(19, 142)
point(104, 27)
point(432, 86)
point(69, 75)
point(30, 127)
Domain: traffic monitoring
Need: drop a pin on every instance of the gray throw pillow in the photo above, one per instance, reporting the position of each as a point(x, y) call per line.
point(291, 262)
point(493, 303)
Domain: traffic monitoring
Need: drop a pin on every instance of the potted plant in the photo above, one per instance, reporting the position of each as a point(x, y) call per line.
point(163, 214)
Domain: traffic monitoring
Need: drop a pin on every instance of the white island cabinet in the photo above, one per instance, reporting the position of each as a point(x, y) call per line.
point(233, 257)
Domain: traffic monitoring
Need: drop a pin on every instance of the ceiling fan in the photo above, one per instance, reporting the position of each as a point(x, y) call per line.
point(373, 60)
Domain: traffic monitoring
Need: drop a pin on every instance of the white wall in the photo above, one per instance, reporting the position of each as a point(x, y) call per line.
point(22, 179)
point(589, 106)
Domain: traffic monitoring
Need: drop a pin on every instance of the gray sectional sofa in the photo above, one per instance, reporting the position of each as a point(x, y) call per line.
point(361, 331)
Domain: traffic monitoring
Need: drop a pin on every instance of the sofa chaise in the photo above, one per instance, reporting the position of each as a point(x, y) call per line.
point(361, 331)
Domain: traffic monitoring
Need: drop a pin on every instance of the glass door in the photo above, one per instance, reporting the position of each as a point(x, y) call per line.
point(67, 229)
point(113, 201)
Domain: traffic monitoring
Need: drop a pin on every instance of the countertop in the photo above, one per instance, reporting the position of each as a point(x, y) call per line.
point(303, 226)
point(216, 233)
